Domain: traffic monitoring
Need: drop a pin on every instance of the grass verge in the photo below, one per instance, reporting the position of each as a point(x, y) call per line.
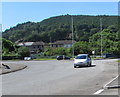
point(119, 61)
point(42, 59)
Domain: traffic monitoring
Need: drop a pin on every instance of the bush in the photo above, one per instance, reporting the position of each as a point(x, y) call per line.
point(7, 46)
point(82, 48)
point(23, 52)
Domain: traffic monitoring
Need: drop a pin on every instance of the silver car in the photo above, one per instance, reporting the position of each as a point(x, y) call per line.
point(82, 60)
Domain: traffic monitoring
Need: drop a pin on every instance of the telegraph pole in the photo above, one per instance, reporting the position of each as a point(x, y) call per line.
point(1, 42)
point(101, 36)
point(50, 41)
point(72, 38)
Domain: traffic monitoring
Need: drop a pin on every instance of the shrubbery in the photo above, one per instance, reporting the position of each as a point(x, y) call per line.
point(110, 44)
point(11, 51)
point(23, 52)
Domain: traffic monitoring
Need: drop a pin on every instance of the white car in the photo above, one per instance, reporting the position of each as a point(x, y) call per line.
point(82, 60)
point(27, 58)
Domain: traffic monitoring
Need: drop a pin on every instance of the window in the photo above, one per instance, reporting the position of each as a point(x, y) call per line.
point(81, 57)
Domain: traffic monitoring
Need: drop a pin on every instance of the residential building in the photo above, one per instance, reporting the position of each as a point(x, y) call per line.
point(36, 47)
point(62, 43)
point(33, 46)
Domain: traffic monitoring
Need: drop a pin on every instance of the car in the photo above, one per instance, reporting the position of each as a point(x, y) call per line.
point(27, 58)
point(109, 55)
point(63, 57)
point(82, 60)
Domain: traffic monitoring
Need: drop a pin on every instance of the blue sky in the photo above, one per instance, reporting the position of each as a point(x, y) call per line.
point(20, 12)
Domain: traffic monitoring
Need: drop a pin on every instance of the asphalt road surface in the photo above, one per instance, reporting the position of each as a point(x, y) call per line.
point(59, 78)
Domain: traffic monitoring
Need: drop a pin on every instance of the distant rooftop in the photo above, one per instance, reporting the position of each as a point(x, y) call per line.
point(38, 43)
point(63, 42)
point(25, 43)
point(30, 43)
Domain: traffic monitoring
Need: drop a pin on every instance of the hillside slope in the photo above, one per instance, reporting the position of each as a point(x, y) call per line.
point(59, 28)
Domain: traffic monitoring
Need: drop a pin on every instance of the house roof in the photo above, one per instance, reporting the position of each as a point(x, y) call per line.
point(38, 43)
point(63, 42)
point(25, 43)
point(30, 43)
point(60, 42)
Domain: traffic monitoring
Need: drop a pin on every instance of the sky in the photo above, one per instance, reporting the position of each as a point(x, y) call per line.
point(14, 13)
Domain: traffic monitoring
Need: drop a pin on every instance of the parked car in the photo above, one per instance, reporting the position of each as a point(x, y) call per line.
point(63, 57)
point(27, 58)
point(82, 60)
point(109, 55)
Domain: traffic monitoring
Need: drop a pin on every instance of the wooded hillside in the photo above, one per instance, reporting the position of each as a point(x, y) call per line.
point(59, 28)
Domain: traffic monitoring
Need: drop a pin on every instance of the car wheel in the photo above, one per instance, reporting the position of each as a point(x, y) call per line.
point(74, 66)
point(90, 65)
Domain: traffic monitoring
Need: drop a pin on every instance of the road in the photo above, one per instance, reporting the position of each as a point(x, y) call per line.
point(59, 78)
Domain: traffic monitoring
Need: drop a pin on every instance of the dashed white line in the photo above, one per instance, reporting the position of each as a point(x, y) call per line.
point(99, 91)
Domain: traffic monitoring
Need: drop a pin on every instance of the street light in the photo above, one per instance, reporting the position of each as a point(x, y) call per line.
point(101, 36)
point(72, 38)
point(0, 41)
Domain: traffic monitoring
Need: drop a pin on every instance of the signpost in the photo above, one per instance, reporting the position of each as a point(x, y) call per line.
point(93, 52)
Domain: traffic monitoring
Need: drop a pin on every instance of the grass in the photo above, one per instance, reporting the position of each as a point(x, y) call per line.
point(32, 59)
point(97, 58)
point(12, 60)
point(119, 61)
point(91, 57)
point(42, 59)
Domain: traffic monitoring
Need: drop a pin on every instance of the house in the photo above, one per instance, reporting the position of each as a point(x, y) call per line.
point(33, 46)
point(63, 43)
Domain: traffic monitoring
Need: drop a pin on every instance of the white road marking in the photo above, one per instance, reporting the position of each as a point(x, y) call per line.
point(99, 91)
point(111, 81)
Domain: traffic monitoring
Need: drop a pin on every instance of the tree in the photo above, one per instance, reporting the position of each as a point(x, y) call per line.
point(7, 44)
point(23, 52)
point(81, 47)
point(48, 51)
point(33, 37)
point(60, 51)
point(60, 26)
point(8, 48)
point(109, 42)
point(113, 28)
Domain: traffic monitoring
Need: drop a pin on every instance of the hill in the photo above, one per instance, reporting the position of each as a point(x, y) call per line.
point(59, 28)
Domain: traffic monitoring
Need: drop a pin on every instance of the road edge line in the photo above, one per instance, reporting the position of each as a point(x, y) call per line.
point(99, 91)
point(106, 85)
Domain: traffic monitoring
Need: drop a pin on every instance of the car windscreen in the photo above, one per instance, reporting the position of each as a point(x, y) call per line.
point(81, 57)
point(60, 56)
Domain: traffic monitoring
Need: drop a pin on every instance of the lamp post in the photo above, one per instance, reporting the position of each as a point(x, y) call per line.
point(50, 41)
point(1, 41)
point(72, 38)
point(101, 36)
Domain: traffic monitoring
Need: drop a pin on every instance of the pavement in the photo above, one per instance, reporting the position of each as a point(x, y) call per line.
point(113, 86)
point(8, 68)
point(110, 87)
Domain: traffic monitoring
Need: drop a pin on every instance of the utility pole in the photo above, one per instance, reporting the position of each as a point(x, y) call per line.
point(72, 38)
point(50, 41)
point(1, 42)
point(101, 37)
